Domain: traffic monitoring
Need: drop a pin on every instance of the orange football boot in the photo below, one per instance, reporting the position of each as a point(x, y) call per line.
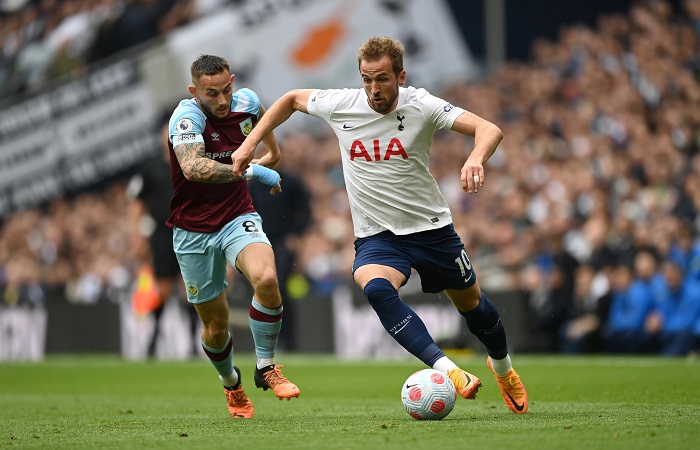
point(467, 384)
point(512, 389)
point(271, 378)
point(239, 405)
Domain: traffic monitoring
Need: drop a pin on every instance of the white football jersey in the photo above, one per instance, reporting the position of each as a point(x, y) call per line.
point(386, 158)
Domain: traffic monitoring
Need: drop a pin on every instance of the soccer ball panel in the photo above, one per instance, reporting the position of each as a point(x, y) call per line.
point(428, 395)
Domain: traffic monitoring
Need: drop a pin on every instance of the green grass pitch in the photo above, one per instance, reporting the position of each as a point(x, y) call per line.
point(98, 402)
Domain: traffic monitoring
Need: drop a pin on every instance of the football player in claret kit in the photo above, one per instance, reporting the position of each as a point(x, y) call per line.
point(214, 222)
point(401, 220)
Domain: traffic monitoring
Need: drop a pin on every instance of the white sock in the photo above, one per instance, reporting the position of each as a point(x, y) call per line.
point(444, 365)
point(501, 366)
point(264, 362)
point(229, 381)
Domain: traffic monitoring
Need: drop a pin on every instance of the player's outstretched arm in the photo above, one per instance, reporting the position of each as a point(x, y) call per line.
point(273, 154)
point(278, 113)
point(487, 136)
point(197, 167)
point(266, 176)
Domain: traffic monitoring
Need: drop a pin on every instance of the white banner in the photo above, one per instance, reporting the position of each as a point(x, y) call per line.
point(22, 333)
point(274, 46)
point(358, 333)
point(75, 135)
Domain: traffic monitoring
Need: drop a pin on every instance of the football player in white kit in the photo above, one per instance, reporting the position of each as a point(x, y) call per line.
point(400, 217)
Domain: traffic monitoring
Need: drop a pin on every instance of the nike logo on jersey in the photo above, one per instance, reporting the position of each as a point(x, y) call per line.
point(346, 126)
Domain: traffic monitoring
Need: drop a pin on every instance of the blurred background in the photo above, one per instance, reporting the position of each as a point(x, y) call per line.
point(586, 234)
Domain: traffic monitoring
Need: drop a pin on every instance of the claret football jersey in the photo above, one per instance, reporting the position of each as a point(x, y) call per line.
point(385, 158)
point(207, 207)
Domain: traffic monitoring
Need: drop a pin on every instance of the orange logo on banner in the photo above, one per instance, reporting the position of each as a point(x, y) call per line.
point(319, 43)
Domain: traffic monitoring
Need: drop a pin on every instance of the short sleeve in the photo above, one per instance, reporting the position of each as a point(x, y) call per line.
point(186, 124)
point(438, 112)
point(246, 101)
point(322, 102)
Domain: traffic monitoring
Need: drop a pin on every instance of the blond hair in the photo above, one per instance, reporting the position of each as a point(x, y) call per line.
point(376, 47)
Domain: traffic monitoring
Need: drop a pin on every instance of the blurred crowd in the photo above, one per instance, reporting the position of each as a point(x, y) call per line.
point(590, 207)
point(43, 40)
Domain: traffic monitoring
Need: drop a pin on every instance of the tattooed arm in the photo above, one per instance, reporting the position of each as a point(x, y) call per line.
point(197, 167)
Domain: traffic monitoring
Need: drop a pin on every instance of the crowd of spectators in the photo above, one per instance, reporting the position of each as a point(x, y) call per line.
point(43, 40)
point(590, 206)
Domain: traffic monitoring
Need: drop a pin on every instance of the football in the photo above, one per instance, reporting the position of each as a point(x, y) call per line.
point(428, 395)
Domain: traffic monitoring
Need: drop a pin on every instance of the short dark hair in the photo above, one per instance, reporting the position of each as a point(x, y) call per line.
point(377, 47)
point(208, 65)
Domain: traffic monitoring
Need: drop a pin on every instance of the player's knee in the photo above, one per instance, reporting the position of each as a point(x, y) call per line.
point(380, 293)
point(470, 300)
point(265, 282)
point(266, 288)
point(471, 303)
point(216, 328)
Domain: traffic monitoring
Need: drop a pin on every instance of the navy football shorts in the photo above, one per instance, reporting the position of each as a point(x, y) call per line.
point(437, 255)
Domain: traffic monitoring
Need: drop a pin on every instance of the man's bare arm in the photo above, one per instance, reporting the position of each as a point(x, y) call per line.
point(272, 156)
point(279, 112)
point(487, 136)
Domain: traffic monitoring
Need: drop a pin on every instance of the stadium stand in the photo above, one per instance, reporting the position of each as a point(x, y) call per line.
point(600, 164)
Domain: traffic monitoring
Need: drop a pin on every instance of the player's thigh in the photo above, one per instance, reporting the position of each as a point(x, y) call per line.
point(368, 272)
point(240, 233)
point(202, 264)
point(257, 262)
point(441, 260)
point(379, 256)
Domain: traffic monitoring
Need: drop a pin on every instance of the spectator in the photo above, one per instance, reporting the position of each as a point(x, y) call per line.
point(582, 332)
point(676, 312)
point(632, 300)
point(556, 291)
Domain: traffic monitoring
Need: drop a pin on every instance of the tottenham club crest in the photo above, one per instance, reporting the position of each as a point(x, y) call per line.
point(246, 126)
point(184, 125)
point(400, 119)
